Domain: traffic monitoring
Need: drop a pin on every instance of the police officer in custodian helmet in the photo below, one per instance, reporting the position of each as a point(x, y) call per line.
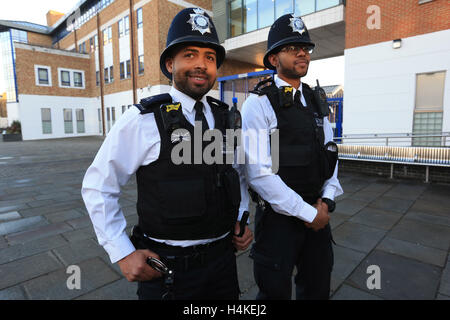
point(291, 222)
point(183, 246)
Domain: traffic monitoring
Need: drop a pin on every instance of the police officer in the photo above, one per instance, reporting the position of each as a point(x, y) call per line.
point(291, 222)
point(182, 247)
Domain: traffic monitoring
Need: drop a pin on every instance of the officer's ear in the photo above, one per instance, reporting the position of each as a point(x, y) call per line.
point(273, 59)
point(169, 64)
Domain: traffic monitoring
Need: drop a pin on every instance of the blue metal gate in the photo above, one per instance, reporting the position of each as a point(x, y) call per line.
point(239, 85)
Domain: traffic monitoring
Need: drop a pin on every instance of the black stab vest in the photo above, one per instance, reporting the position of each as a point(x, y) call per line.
point(187, 201)
point(302, 157)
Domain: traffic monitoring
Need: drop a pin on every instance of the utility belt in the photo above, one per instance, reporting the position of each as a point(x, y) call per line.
point(182, 258)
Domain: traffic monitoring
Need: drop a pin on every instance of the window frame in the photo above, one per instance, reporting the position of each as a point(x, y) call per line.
point(49, 75)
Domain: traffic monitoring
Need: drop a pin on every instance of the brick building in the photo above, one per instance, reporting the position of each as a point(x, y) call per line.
point(80, 73)
point(397, 68)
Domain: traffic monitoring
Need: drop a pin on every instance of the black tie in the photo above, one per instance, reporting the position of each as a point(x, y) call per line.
point(200, 116)
point(297, 100)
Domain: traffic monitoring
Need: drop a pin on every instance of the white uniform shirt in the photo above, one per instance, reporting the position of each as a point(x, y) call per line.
point(257, 113)
point(133, 141)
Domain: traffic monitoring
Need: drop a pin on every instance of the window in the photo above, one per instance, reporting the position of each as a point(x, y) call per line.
point(80, 120)
point(124, 108)
point(71, 78)
point(139, 18)
point(428, 108)
point(128, 69)
point(126, 21)
point(99, 113)
point(111, 74)
point(46, 118)
point(122, 70)
point(68, 125)
point(120, 28)
point(97, 78)
point(106, 75)
point(141, 64)
point(113, 115)
point(82, 47)
point(78, 79)
point(65, 78)
point(107, 35)
point(43, 75)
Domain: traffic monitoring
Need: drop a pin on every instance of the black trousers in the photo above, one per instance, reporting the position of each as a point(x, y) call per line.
point(282, 242)
point(214, 279)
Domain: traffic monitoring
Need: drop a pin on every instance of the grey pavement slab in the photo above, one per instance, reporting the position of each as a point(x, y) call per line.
point(429, 218)
point(38, 233)
point(347, 292)
point(18, 271)
point(379, 187)
point(75, 252)
point(426, 234)
point(336, 219)
point(118, 290)
point(20, 251)
point(63, 215)
point(80, 234)
point(437, 193)
point(408, 191)
point(345, 261)
point(79, 223)
point(357, 236)
point(444, 287)
point(39, 203)
point(392, 204)
point(366, 196)
point(55, 207)
point(400, 278)
point(432, 207)
point(414, 251)
point(14, 207)
point(94, 274)
point(349, 206)
point(9, 216)
point(13, 293)
point(377, 218)
point(21, 224)
point(3, 243)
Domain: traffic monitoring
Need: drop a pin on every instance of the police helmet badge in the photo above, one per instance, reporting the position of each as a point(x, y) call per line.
point(297, 25)
point(199, 22)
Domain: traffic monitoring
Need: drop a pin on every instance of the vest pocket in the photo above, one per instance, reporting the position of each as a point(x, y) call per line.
point(182, 200)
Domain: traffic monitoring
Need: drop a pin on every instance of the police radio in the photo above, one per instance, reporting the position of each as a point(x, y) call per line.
point(321, 99)
point(234, 116)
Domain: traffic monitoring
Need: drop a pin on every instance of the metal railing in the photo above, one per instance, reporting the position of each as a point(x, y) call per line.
point(393, 154)
point(397, 139)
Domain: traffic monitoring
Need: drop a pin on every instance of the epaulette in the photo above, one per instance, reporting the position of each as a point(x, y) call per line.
point(263, 86)
point(216, 102)
point(147, 105)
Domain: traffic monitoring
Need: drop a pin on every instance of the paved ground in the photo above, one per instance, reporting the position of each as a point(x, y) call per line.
point(403, 227)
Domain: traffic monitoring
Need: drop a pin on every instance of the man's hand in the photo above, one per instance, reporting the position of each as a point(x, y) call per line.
point(322, 217)
point(242, 243)
point(135, 268)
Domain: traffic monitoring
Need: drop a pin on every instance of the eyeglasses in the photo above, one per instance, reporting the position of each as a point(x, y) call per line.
point(295, 49)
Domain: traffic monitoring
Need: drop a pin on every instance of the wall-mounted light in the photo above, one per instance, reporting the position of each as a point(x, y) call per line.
point(397, 43)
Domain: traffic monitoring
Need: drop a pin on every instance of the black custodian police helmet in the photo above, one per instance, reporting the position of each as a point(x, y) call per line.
point(285, 30)
point(191, 26)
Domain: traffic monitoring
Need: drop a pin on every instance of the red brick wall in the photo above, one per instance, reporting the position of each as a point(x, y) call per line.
point(399, 19)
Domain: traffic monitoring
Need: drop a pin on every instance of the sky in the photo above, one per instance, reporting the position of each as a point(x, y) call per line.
point(33, 10)
point(328, 71)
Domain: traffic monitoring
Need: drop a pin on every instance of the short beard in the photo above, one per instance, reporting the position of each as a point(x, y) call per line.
point(181, 83)
point(290, 73)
